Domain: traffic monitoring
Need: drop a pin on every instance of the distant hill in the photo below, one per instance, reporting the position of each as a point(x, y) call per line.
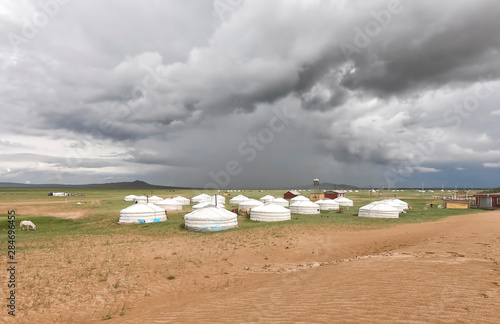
point(329, 186)
point(137, 184)
point(492, 190)
point(13, 185)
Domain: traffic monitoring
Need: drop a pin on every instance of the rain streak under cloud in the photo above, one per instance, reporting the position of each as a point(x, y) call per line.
point(251, 93)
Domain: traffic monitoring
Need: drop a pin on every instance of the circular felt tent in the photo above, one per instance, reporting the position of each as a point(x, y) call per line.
point(207, 204)
point(141, 199)
point(141, 213)
point(378, 209)
point(182, 200)
point(249, 204)
point(304, 207)
point(267, 199)
point(270, 213)
point(236, 200)
point(159, 212)
point(220, 199)
point(154, 199)
point(395, 202)
point(343, 201)
point(299, 198)
point(169, 204)
point(200, 198)
point(328, 204)
point(130, 198)
point(281, 202)
point(210, 219)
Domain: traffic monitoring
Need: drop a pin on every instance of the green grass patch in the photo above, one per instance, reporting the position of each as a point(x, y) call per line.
point(103, 211)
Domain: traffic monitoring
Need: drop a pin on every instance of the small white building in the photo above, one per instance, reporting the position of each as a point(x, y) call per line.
point(220, 199)
point(378, 209)
point(160, 213)
point(281, 202)
point(298, 198)
point(343, 201)
point(249, 204)
point(169, 204)
point(270, 213)
point(210, 219)
point(182, 200)
point(328, 204)
point(130, 198)
point(304, 207)
point(237, 200)
point(207, 204)
point(142, 199)
point(200, 198)
point(141, 213)
point(154, 199)
point(267, 199)
point(394, 202)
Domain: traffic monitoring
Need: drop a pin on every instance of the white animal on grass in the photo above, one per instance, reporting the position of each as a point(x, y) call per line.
point(27, 224)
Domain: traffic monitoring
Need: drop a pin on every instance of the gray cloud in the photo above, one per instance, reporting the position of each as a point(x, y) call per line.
point(168, 92)
point(424, 48)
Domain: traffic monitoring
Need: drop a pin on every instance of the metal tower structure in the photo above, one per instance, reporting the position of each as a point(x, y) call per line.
point(316, 189)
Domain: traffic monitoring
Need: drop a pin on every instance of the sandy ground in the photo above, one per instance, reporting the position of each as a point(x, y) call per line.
point(440, 272)
point(46, 208)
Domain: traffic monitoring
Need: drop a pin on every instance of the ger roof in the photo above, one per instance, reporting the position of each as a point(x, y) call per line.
point(210, 213)
point(270, 208)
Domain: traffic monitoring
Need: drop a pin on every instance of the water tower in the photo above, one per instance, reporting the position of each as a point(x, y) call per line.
point(316, 189)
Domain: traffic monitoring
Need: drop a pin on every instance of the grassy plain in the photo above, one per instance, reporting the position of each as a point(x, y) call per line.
point(101, 210)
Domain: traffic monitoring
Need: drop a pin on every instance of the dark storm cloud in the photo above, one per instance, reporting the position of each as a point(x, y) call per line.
point(160, 158)
point(420, 47)
point(425, 47)
point(326, 93)
point(165, 87)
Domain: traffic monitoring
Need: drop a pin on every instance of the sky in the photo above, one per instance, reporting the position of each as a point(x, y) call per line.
point(251, 94)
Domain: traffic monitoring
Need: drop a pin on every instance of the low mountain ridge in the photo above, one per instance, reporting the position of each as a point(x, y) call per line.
point(137, 184)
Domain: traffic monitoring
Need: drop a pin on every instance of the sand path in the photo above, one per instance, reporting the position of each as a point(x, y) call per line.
point(443, 272)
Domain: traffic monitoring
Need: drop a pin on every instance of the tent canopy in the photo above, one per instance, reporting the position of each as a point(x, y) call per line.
point(281, 201)
point(210, 219)
point(299, 198)
point(304, 207)
point(343, 201)
point(142, 213)
point(379, 209)
point(270, 213)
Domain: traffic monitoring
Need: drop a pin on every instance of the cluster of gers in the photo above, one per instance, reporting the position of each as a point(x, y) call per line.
point(210, 214)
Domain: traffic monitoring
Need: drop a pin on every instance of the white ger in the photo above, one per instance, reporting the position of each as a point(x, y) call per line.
point(27, 224)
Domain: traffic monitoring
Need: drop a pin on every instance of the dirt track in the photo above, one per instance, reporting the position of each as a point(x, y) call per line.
point(440, 272)
point(46, 208)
